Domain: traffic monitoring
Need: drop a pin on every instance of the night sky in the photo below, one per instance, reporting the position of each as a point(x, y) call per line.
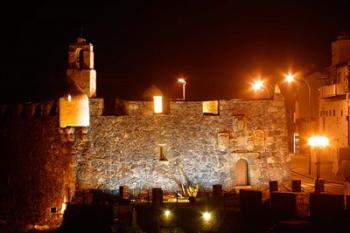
point(219, 47)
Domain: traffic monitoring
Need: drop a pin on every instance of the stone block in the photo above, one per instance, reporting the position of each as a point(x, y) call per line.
point(319, 185)
point(17, 110)
point(123, 192)
point(157, 197)
point(347, 198)
point(96, 106)
point(326, 205)
point(29, 109)
point(217, 191)
point(283, 204)
point(250, 201)
point(296, 185)
point(273, 186)
point(347, 188)
point(48, 108)
point(302, 204)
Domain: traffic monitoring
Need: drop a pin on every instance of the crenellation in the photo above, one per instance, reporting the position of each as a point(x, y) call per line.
point(17, 110)
point(139, 108)
point(29, 110)
point(96, 106)
point(120, 107)
point(47, 107)
point(185, 107)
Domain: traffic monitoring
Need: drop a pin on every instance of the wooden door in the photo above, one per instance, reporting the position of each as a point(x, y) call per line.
point(241, 172)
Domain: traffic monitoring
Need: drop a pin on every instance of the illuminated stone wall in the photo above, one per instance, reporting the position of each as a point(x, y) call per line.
point(125, 150)
point(35, 170)
point(42, 165)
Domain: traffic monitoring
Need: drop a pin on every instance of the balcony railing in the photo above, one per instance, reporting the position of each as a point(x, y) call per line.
point(332, 90)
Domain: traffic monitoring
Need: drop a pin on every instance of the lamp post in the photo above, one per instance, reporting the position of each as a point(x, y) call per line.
point(290, 78)
point(183, 81)
point(318, 142)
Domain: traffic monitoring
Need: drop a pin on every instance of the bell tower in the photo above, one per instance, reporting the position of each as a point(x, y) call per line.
point(81, 75)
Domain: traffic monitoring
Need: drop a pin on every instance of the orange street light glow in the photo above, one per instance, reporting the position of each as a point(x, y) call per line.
point(318, 141)
point(257, 85)
point(290, 78)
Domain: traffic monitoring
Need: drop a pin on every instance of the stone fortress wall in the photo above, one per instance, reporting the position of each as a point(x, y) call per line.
point(125, 150)
point(44, 165)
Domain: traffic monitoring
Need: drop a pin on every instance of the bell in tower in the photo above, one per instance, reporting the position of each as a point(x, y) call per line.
point(81, 74)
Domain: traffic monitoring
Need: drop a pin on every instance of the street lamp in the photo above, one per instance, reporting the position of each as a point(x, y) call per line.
point(183, 81)
point(318, 142)
point(259, 85)
point(290, 78)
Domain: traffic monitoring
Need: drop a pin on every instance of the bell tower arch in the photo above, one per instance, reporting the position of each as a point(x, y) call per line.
point(81, 74)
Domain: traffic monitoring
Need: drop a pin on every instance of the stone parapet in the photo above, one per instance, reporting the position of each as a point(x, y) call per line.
point(96, 106)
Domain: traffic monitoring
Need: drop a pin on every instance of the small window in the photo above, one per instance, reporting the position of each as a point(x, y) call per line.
point(161, 154)
point(333, 112)
point(158, 104)
point(210, 107)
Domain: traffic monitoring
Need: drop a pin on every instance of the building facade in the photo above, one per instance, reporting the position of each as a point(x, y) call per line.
point(54, 150)
point(334, 103)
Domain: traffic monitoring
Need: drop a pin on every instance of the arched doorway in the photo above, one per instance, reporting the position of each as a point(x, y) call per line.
point(241, 172)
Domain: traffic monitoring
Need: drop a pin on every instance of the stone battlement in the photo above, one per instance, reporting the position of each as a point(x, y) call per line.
point(125, 107)
point(29, 110)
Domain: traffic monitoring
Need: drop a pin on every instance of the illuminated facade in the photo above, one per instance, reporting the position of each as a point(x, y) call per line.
point(229, 142)
point(334, 104)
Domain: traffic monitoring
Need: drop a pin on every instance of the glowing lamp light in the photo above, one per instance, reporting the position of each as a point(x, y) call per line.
point(290, 78)
point(206, 216)
point(257, 85)
point(182, 80)
point(69, 98)
point(158, 104)
point(318, 141)
point(167, 213)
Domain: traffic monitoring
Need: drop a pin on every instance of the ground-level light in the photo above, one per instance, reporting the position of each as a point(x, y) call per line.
point(167, 213)
point(207, 216)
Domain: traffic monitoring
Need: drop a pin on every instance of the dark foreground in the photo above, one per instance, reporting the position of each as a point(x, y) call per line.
point(237, 214)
